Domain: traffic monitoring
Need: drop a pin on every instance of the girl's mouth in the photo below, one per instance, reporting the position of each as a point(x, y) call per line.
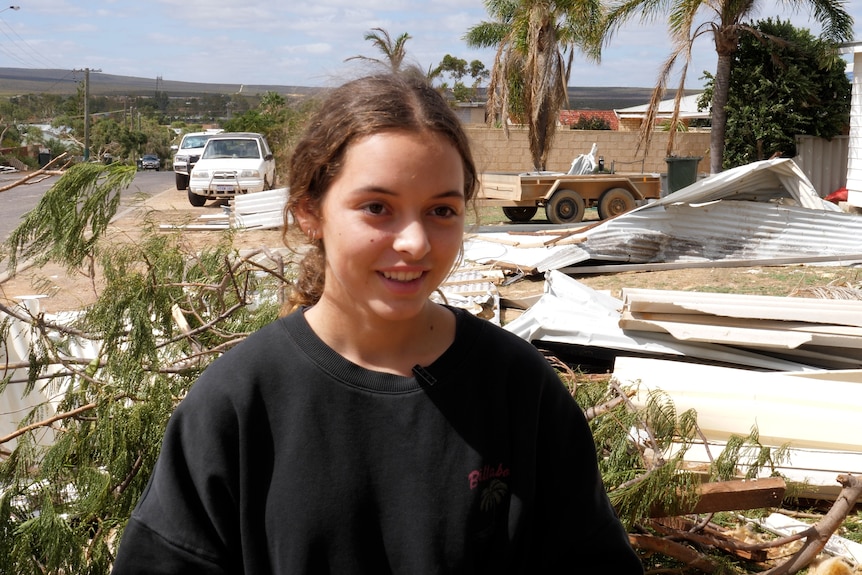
point(402, 276)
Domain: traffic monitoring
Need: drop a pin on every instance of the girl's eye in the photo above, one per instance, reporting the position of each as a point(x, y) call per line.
point(444, 211)
point(374, 208)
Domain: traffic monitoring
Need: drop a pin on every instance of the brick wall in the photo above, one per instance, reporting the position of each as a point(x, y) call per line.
point(494, 153)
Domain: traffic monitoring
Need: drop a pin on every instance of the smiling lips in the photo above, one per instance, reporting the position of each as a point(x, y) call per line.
point(403, 276)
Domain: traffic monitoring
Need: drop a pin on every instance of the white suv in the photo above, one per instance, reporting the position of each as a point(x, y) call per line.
point(232, 163)
point(188, 152)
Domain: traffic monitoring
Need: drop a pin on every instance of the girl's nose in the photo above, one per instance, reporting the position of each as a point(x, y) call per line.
point(412, 238)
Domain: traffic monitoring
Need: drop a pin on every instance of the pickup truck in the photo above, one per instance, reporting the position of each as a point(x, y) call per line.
point(188, 153)
point(566, 197)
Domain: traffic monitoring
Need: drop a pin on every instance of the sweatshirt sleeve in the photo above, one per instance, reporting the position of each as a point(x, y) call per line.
point(186, 519)
point(580, 528)
point(145, 551)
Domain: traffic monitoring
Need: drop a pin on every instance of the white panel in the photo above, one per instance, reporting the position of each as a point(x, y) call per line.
point(854, 152)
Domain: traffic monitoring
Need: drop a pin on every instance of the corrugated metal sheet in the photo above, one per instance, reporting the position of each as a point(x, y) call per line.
point(261, 209)
point(823, 161)
point(572, 314)
point(727, 229)
point(762, 181)
point(760, 212)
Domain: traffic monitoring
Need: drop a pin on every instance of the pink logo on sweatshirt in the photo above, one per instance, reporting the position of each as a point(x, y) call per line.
point(487, 473)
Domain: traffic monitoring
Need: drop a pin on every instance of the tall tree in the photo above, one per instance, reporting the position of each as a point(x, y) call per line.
point(457, 68)
point(726, 21)
point(393, 51)
point(780, 89)
point(535, 41)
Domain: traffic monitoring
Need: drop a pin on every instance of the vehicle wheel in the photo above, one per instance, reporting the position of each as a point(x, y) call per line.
point(519, 214)
point(196, 200)
point(615, 201)
point(182, 181)
point(565, 207)
point(266, 184)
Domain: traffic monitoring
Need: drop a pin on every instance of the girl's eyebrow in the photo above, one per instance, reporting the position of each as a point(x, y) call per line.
point(388, 192)
point(451, 194)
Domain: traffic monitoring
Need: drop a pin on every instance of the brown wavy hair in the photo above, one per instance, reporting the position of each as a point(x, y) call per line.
point(360, 108)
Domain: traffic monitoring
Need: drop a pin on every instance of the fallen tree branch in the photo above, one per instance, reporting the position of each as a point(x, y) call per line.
point(819, 533)
point(32, 175)
point(815, 536)
point(672, 549)
point(53, 419)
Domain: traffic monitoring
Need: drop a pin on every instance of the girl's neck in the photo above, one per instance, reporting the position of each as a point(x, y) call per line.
point(386, 346)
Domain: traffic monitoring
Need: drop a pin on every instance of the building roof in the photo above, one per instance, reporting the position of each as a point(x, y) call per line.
point(850, 48)
point(687, 109)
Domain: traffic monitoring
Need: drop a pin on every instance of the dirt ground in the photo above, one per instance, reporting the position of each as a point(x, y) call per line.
point(60, 291)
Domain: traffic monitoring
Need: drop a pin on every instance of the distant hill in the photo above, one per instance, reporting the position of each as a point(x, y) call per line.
point(16, 81)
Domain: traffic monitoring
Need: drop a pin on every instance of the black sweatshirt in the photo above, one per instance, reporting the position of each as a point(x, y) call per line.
point(286, 458)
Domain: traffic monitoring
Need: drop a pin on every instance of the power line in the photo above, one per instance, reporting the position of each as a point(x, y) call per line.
point(17, 42)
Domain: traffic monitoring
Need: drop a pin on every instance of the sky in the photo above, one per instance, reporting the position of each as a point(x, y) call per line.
point(305, 43)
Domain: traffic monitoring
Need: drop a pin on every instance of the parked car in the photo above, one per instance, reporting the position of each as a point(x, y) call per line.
point(149, 162)
point(231, 163)
point(188, 153)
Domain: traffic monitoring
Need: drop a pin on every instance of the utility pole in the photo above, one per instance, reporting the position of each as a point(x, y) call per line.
point(87, 113)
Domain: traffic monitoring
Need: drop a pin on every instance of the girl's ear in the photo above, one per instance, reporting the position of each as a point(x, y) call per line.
point(306, 215)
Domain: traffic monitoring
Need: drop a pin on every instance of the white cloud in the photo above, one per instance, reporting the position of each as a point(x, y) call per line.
point(301, 42)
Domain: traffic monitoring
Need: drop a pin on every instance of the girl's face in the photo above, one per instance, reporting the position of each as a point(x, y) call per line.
point(392, 223)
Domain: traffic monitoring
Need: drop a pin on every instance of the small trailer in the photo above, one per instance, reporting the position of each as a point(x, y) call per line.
point(566, 197)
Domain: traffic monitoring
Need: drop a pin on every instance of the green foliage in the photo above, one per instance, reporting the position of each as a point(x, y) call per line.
point(279, 120)
point(784, 82)
point(853, 528)
point(456, 69)
point(68, 220)
point(727, 21)
point(591, 123)
point(71, 477)
point(393, 51)
point(535, 43)
point(641, 448)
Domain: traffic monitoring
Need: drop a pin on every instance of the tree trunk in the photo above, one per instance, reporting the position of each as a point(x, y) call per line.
point(719, 114)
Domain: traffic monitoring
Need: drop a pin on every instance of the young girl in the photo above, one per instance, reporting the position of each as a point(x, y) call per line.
point(371, 431)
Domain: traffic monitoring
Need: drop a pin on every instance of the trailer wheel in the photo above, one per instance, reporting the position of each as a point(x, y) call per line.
point(565, 207)
point(615, 201)
point(519, 214)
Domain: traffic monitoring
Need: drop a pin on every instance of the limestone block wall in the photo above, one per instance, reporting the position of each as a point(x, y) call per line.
point(494, 152)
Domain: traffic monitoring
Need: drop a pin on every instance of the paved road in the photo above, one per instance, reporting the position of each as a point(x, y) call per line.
point(21, 199)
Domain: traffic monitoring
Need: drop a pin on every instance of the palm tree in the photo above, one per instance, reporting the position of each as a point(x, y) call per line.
point(727, 24)
point(394, 52)
point(535, 41)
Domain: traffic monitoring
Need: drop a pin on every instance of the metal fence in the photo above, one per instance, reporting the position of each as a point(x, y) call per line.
point(823, 161)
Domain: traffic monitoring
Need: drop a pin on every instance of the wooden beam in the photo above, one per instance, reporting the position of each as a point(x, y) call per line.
point(732, 495)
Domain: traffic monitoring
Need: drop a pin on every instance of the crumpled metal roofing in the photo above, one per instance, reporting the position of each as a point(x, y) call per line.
point(760, 211)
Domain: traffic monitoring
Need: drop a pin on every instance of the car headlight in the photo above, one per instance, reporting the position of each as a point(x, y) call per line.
point(200, 174)
point(249, 174)
point(182, 159)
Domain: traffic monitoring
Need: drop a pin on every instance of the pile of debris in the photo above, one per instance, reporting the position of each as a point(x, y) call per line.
point(791, 367)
